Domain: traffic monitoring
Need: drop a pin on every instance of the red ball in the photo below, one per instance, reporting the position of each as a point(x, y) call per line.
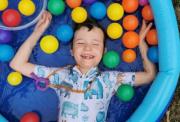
point(11, 18)
point(30, 117)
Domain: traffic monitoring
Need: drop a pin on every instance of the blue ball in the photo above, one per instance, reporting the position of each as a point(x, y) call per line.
point(153, 54)
point(6, 53)
point(98, 10)
point(64, 33)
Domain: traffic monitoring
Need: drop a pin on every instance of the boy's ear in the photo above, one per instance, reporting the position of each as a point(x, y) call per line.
point(71, 52)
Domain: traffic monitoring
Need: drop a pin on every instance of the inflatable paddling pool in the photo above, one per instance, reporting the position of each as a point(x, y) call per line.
point(150, 101)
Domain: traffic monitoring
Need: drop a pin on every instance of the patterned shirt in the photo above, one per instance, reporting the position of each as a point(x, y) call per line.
point(92, 105)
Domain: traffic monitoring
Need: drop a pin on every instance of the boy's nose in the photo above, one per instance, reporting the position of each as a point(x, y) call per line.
point(87, 47)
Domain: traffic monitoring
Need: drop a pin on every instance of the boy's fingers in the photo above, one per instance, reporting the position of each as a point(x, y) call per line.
point(146, 30)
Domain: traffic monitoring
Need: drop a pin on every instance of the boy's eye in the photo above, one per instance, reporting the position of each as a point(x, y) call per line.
point(80, 43)
point(95, 44)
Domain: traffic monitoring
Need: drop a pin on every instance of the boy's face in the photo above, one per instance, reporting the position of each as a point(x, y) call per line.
point(88, 47)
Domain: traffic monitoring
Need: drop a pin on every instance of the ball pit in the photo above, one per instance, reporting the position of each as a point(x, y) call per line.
point(164, 17)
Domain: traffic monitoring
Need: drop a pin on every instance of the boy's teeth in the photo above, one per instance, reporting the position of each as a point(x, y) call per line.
point(87, 57)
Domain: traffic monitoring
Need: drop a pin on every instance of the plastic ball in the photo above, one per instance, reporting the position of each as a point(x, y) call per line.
point(130, 39)
point(14, 78)
point(151, 37)
point(49, 44)
point(30, 117)
point(129, 56)
point(64, 33)
point(3, 5)
point(6, 53)
point(11, 18)
point(26, 7)
point(114, 30)
point(79, 14)
point(88, 1)
point(147, 13)
point(111, 59)
point(125, 92)
point(143, 2)
point(153, 54)
point(130, 6)
point(5, 36)
point(98, 10)
point(115, 11)
point(56, 7)
point(73, 3)
point(130, 22)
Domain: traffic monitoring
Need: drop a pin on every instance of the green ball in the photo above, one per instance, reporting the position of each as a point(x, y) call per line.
point(111, 59)
point(56, 7)
point(125, 92)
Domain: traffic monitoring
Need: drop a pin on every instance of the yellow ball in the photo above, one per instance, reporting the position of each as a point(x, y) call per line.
point(49, 44)
point(14, 78)
point(79, 14)
point(26, 7)
point(114, 30)
point(115, 11)
point(3, 4)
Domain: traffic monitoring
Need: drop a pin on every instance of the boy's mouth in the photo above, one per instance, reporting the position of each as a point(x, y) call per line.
point(87, 56)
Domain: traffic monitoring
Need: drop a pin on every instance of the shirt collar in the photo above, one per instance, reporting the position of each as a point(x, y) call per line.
point(89, 75)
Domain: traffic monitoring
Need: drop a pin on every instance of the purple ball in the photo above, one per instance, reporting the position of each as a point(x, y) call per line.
point(88, 1)
point(143, 2)
point(5, 36)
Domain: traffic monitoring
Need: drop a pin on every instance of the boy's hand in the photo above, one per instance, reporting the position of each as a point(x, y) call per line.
point(144, 30)
point(43, 22)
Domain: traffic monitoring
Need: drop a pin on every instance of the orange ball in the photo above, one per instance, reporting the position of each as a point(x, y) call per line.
point(73, 3)
point(130, 22)
point(130, 6)
point(147, 13)
point(130, 39)
point(151, 37)
point(129, 56)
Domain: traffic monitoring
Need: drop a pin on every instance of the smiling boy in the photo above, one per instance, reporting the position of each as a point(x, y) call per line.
point(85, 91)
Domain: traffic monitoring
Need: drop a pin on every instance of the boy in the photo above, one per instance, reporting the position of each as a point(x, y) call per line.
point(84, 92)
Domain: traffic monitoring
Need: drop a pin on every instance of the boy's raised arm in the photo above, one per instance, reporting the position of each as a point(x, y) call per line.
point(149, 72)
point(20, 61)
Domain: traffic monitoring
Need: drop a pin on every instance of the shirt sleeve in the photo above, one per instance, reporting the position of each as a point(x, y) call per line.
point(114, 79)
point(55, 75)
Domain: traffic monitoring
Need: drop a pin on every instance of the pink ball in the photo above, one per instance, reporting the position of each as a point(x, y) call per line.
point(143, 2)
